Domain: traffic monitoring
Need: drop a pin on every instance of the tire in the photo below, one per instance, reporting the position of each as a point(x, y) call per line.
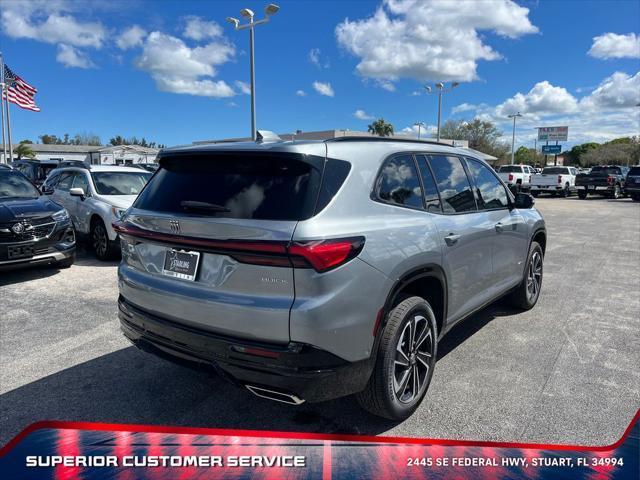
point(387, 392)
point(100, 242)
point(526, 295)
point(535, 193)
point(566, 192)
point(635, 197)
point(582, 194)
point(66, 263)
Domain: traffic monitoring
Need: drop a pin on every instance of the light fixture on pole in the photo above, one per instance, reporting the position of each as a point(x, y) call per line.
point(269, 10)
point(440, 88)
point(513, 135)
point(419, 124)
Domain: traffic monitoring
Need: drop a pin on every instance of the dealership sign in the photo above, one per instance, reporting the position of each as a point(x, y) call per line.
point(551, 149)
point(559, 134)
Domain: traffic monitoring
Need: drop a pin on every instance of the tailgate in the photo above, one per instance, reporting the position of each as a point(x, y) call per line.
point(543, 180)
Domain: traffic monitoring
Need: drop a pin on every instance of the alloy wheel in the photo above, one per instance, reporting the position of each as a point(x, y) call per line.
point(100, 240)
point(534, 276)
point(414, 352)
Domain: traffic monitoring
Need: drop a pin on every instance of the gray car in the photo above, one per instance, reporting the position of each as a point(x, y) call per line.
point(95, 197)
point(310, 270)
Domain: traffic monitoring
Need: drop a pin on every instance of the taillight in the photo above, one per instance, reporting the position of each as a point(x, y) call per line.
point(326, 254)
point(609, 179)
point(559, 178)
point(511, 177)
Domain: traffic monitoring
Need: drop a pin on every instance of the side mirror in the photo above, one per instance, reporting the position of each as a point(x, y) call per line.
point(524, 200)
point(77, 192)
point(47, 190)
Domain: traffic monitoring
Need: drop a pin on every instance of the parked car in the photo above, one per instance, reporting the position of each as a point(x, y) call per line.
point(517, 177)
point(632, 183)
point(33, 229)
point(35, 170)
point(311, 270)
point(95, 197)
point(555, 181)
point(605, 180)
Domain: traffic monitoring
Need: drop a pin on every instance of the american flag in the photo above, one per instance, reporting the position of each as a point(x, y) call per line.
point(18, 91)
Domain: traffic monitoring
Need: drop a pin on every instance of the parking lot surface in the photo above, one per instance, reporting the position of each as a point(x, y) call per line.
point(564, 372)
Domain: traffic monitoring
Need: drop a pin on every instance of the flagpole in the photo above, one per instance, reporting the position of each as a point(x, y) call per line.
point(4, 141)
point(9, 129)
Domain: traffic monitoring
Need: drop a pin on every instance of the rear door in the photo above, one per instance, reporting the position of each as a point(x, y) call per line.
point(465, 234)
point(228, 219)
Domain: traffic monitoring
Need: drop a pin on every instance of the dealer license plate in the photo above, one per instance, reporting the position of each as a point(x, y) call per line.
point(20, 251)
point(181, 264)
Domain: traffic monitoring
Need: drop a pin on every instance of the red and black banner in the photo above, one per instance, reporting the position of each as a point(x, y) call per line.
point(70, 450)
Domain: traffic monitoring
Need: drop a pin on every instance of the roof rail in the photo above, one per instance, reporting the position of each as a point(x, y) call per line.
point(386, 139)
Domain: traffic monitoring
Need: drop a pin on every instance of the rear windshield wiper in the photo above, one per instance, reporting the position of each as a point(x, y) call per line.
point(203, 206)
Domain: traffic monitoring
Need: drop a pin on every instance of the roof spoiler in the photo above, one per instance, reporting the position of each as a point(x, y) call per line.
point(264, 136)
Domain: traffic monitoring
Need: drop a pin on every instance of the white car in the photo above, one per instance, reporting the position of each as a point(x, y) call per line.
point(95, 197)
point(555, 180)
point(517, 177)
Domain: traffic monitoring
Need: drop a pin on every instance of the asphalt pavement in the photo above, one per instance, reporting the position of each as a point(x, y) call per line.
point(565, 372)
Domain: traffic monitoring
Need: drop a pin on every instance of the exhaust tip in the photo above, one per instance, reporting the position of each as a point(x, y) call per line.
point(274, 395)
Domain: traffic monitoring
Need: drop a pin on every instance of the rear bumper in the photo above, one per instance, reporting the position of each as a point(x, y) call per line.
point(309, 373)
point(546, 188)
point(596, 188)
point(633, 188)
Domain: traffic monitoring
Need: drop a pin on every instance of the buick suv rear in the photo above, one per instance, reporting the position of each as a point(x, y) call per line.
point(306, 271)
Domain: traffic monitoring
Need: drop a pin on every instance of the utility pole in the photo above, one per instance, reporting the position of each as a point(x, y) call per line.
point(440, 89)
point(513, 135)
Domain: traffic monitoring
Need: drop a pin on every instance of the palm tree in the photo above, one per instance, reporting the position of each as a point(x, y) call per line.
point(381, 128)
point(24, 150)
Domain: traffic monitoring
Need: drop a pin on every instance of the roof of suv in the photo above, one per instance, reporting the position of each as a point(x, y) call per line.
point(103, 168)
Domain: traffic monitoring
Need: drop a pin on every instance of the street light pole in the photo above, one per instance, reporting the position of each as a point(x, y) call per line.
point(513, 135)
point(269, 10)
point(440, 89)
point(418, 124)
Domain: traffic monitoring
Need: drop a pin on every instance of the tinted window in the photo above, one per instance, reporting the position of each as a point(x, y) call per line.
point(334, 175)
point(247, 186)
point(453, 184)
point(398, 182)
point(65, 181)
point(120, 183)
point(634, 171)
point(510, 169)
point(555, 171)
point(432, 199)
point(606, 170)
point(43, 171)
point(14, 184)
point(490, 192)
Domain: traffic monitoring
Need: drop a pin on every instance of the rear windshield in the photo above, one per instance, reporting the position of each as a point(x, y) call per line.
point(634, 171)
point(246, 186)
point(510, 169)
point(555, 171)
point(606, 170)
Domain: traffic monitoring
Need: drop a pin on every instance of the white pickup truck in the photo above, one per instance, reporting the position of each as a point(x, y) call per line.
point(517, 177)
point(555, 180)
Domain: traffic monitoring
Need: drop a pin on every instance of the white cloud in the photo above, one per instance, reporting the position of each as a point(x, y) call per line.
point(466, 107)
point(177, 68)
point(430, 40)
point(316, 58)
point(244, 87)
point(301, 93)
point(615, 92)
point(543, 98)
point(198, 29)
point(50, 23)
point(425, 131)
point(71, 57)
point(323, 89)
point(131, 37)
point(362, 115)
point(612, 45)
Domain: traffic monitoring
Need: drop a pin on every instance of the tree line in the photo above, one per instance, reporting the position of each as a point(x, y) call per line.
point(93, 140)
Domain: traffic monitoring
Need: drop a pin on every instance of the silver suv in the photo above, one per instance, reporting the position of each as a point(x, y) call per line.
point(96, 197)
point(306, 271)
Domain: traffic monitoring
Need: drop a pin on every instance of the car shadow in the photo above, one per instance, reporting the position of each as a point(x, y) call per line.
point(26, 273)
point(129, 386)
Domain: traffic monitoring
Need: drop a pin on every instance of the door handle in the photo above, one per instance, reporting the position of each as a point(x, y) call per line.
point(499, 227)
point(451, 239)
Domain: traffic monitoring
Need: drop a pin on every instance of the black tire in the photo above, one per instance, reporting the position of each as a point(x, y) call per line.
point(102, 246)
point(582, 194)
point(380, 396)
point(635, 197)
point(566, 191)
point(535, 193)
point(66, 263)
point(522, 296)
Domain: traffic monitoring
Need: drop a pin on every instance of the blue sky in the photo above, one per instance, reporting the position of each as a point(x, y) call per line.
point(170, 71)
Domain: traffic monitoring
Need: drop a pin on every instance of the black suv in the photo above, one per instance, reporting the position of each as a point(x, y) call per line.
point(632, 183)
point(35, 170)
point(33, 229)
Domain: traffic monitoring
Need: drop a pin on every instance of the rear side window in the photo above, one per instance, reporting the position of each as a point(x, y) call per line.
point(431, 197)
point(510, 169)
point(491, 193)
point(398, 182)
point(243, 186)
point(453, 184)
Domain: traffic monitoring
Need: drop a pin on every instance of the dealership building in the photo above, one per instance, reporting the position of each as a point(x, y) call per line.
point(94, 155)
